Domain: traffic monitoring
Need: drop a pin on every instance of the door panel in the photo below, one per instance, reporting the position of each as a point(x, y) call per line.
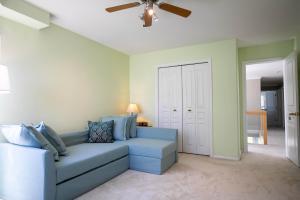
point(292, 108)
point(170, 100)
point(196, 82)
point(189, 131)
point(202, 107)
point(164, 106)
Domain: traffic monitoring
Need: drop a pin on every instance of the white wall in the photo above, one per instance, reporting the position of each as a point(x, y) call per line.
point(253, 87)
point(253, 94)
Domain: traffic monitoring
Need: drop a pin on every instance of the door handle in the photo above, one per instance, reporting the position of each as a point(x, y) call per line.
point(294, 114)
point(174, 110)
point(189, 110)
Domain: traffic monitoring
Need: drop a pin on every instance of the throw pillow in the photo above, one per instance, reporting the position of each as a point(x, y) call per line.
point(132, 130)
point(128, 125)
point(18, 134)
point(43, 142)
point(121, 126)
point(53, 138)
point(101, 132)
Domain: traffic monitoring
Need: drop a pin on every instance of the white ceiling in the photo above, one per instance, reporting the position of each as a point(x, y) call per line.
point(269, 70)
point(251, 21)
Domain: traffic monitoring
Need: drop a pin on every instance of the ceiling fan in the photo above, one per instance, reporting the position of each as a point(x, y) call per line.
point(148, 16)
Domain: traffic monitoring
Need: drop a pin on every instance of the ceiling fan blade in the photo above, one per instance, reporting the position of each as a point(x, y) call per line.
point(175, 10)
point(147, 19)
point(122, 7)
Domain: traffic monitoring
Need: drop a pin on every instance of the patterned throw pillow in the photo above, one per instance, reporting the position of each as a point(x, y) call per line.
point(101, 132)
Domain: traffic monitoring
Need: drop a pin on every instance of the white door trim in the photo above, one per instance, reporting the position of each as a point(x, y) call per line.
point(209, 61)
point(244, 99)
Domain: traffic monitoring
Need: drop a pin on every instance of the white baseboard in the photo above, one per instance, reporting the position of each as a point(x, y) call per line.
point(227, 157)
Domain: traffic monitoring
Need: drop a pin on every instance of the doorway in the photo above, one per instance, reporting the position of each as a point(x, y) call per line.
point(265, 107)
point(271, 107)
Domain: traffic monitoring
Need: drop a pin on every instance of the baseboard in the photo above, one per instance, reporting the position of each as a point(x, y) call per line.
point(236, 158)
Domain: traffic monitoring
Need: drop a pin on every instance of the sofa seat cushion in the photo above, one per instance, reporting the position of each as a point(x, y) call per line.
point(149, 147)
point(84, 157)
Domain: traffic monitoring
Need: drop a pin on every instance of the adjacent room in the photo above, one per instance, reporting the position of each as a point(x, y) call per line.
point(265, 107)
point(149, 99)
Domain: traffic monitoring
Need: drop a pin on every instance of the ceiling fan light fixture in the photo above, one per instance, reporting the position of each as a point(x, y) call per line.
point(150, 11)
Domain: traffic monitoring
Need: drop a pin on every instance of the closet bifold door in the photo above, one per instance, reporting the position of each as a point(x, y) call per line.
point(196, 88)
point(170, 100)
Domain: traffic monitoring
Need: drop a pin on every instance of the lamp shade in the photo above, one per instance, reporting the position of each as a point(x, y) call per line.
point(132, 108)
point(4, 80)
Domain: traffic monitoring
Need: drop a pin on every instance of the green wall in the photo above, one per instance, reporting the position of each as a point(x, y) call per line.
point(60, 77)
point(260, 52)
point(65, 79)
point(225, 87)
point(267, 51)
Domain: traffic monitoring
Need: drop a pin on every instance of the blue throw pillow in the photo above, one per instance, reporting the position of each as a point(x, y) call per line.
point(18, 134)
point(53, 138)
point(132, 130)
point(121, 126)
point(41, 140)
point(101, 132)
point(128, 125)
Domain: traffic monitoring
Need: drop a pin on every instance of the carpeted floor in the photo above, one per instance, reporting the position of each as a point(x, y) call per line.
point(256, 177)
point(276, 144)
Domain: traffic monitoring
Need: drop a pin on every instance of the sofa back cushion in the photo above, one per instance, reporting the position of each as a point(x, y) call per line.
point(121, 126)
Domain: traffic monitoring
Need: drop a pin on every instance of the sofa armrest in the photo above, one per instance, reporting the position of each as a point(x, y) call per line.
point(26, 173)
point(159, 133)
point(75, 138)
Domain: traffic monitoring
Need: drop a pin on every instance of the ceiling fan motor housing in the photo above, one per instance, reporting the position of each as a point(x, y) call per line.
point(149, 1)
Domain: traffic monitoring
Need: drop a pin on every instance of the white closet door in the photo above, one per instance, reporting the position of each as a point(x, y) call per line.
point(170, 100)
point(196, 83)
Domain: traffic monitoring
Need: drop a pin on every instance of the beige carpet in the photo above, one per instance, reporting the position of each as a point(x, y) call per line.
point(255, 177)
point(275, 146)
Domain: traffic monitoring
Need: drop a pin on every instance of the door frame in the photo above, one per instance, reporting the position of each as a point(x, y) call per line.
point(209, 61)
point(244, 94)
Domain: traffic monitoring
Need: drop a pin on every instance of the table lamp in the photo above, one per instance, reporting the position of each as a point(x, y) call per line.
point(132, 109)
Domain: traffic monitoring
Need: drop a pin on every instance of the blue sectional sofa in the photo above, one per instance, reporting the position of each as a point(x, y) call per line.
point(31, 174)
